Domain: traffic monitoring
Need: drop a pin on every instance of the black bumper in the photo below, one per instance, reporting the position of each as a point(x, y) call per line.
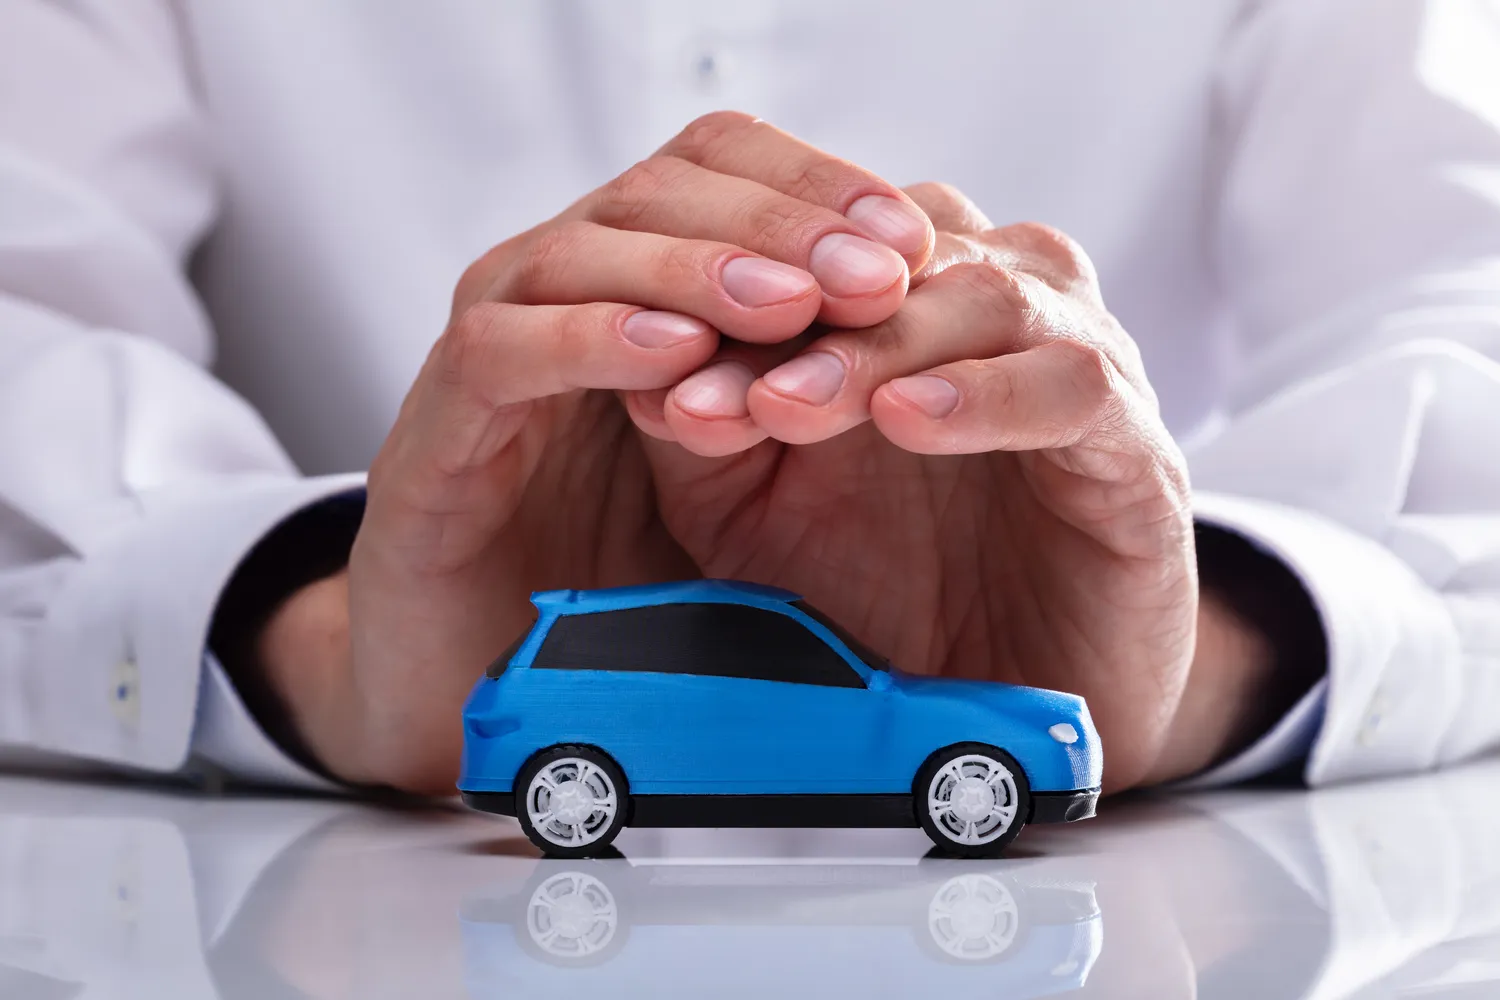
point(1063, 807)
point(503, 803)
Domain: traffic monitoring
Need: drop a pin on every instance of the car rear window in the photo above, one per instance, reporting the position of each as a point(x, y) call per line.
point(503, 660)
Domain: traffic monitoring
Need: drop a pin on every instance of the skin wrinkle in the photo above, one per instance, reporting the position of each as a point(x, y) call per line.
point(632, 196)
point(549, 251)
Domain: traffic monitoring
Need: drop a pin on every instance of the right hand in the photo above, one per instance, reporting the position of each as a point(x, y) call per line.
point(513, 464)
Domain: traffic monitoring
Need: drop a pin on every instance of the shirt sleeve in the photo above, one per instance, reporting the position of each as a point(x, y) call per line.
point(1358, 242)
point(131, 482)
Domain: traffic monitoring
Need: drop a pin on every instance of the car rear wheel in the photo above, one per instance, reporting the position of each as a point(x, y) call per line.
point(972, 799)
point(571, 801)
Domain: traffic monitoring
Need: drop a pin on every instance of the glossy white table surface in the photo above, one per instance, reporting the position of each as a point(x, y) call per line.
point(1378, 890)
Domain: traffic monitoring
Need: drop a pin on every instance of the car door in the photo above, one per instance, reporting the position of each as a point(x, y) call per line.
point(770, 707)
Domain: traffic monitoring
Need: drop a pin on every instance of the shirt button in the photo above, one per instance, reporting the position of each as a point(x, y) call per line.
point(709, 65)
point(125, 692)
point(1369, 730)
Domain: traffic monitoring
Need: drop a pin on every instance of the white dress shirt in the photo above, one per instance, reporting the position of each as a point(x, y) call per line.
point(229, 233)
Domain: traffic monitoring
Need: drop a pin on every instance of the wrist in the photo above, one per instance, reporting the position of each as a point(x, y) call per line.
point(1223, 705)
point(1260, 647)
point(304, 654)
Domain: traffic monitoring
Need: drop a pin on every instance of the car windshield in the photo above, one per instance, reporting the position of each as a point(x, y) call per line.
point(871, 659)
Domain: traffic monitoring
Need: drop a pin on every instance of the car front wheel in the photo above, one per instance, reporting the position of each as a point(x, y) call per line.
point(571, 800)
point(972, 799)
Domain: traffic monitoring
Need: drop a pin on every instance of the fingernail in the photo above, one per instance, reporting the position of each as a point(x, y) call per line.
point(934, 396)
point(656, 330)
point(754, 282)
point(900, 226)
point(717, 391)
point(848, 265)
point(813, 378)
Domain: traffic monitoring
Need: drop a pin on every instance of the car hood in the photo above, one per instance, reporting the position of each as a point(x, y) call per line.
point(1022, 704)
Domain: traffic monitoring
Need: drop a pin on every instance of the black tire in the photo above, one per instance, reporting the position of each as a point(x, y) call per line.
point(941, 836)
point(600, 835)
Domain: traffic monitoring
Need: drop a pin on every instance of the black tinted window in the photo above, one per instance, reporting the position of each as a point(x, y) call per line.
point(721, 640)
point(503, 660)
point(872, 659)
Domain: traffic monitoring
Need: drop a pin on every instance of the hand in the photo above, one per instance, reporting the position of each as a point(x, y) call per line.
point(513, 465)
point(1038, 531)
point(979, 486)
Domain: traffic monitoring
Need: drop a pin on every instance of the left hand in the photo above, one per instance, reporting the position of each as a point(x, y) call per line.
point(980, 486)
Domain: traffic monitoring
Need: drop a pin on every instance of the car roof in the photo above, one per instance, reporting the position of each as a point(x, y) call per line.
point(573, 602)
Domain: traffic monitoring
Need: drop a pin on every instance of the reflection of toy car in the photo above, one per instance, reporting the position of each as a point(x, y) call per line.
point(711, 703)
point(929, 928)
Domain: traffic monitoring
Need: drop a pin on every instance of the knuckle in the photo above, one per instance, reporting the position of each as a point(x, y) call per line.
point(1059, 253)
point(821, 180)
point(468, 342)
point(1091, 377)
point(774, 224)
point(622, 201)
point(550, 252)
point(1004, 291)
point(686, 263)
point(708, 131)
point(580, 334)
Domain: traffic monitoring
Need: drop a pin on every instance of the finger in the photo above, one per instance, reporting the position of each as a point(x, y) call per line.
point(496, 359)
point(862, 281)
point(647, 410)
point(707, 413)
point(747, 297)
point(949, 208)
point(1057, 395)
point(967, 311)
point(730, 142)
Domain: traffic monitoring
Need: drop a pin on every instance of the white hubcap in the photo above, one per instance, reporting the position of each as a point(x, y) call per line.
point(972, 799)
point(973, 917)
point(572, 915)
point(571, 802)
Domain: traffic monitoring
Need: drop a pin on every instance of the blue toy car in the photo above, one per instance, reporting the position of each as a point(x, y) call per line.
point(712, 703)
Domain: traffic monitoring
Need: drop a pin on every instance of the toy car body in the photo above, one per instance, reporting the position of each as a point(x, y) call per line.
point(715, 703)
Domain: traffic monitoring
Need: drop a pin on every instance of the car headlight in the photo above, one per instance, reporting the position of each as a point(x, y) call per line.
point(1063, 732)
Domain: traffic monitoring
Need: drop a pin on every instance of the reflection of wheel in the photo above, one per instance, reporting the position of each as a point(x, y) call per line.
point(973, 918)
point(572, 919)
point(972, 799)
point(571, 801)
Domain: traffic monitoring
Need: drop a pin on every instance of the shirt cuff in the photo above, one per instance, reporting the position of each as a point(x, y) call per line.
point(1286, 743)
point(228, 739)
point(1394, 658)
point(115, 671)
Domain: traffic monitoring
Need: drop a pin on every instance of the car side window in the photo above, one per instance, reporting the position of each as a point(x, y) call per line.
point(717, 640)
